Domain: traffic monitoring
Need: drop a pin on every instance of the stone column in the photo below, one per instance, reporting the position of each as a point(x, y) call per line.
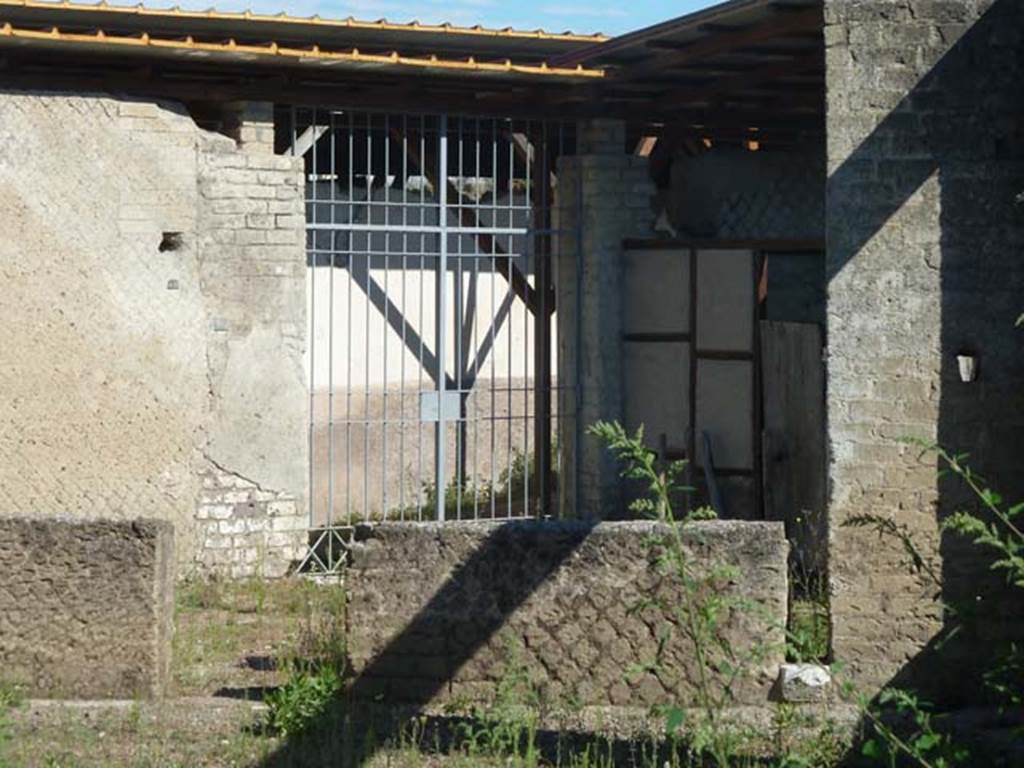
point(251, 125)
point(923, 260)
point(604, 196)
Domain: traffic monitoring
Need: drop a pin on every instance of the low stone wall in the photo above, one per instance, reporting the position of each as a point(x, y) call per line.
point(441, 613)
point(86, 606)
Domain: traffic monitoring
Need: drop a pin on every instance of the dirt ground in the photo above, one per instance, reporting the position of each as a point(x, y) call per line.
point(232, 643)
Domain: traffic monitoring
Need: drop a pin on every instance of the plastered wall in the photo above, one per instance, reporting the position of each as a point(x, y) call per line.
point(154, 319)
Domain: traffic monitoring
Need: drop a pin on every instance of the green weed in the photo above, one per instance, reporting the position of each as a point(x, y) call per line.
point(303, 700)
point(700, 614)
point(508, 726)
point(808, 632)
point(994, 526)
point(317, 664)
point(924, 744)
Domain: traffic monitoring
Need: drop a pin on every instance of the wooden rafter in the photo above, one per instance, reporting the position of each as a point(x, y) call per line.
point(723, 42)
point(645, 145)
point(722, 86)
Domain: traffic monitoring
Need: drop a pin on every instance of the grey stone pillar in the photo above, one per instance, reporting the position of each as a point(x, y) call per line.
point(924, 240)
point(604, 196)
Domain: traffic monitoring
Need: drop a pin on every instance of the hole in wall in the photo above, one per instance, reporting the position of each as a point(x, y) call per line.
point(171, 241)
point(216, 117)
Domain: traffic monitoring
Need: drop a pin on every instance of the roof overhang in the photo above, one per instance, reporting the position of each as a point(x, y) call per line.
point(742, 69)
point(216, 55)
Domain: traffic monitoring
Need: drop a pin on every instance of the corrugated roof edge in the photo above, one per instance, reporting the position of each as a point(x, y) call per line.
point(350, 23)
point(272, 49)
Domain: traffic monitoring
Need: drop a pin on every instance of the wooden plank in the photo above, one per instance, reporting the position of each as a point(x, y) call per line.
point(645, 146)
point(794, 449)
point(772, 245)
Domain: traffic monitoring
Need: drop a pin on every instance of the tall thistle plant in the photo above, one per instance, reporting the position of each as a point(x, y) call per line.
point(703, 607)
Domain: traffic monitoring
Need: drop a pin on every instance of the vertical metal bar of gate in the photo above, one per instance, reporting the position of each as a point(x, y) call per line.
point(440, 430)
point(542, 347)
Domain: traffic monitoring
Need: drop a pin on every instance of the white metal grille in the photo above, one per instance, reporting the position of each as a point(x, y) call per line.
point(430, 247)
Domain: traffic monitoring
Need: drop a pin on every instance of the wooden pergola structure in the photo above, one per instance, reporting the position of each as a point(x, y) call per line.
point(744, 70)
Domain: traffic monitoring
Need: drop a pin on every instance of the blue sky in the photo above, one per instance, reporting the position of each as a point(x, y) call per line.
point(606, 16)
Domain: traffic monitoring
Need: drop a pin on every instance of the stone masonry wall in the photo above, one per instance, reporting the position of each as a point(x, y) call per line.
point(604, 196)
point(252, 226)
point(154, 316)
point(86, 607)
point(440, 613)
point(925, 160)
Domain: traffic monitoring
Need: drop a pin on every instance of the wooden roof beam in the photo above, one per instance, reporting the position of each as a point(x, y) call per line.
point(785, 25)
point(811, 103)
point(745, 80)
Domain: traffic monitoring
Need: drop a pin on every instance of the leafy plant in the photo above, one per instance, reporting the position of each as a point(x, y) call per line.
point(508, 726)
point(993, 526)
point(662, 481)
point(807, 637)
point(804, 740)
point(201, 594)
point(317, 665)
point(926, 746)
point(303, 700)
point(998, 529)
point(10, 698)
point(886, 527)
point(322, 639)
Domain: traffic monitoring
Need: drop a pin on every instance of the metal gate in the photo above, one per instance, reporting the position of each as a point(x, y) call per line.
point(431, 357)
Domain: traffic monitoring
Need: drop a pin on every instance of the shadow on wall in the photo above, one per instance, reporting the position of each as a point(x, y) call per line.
point(922, 213)
point(331, 731)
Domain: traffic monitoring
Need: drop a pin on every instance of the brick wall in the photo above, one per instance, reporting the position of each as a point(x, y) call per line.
point(603, 197)
point(252, 225)
point(86, 607)
point(925, 159)
point(442, 612)
point(246, 530)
